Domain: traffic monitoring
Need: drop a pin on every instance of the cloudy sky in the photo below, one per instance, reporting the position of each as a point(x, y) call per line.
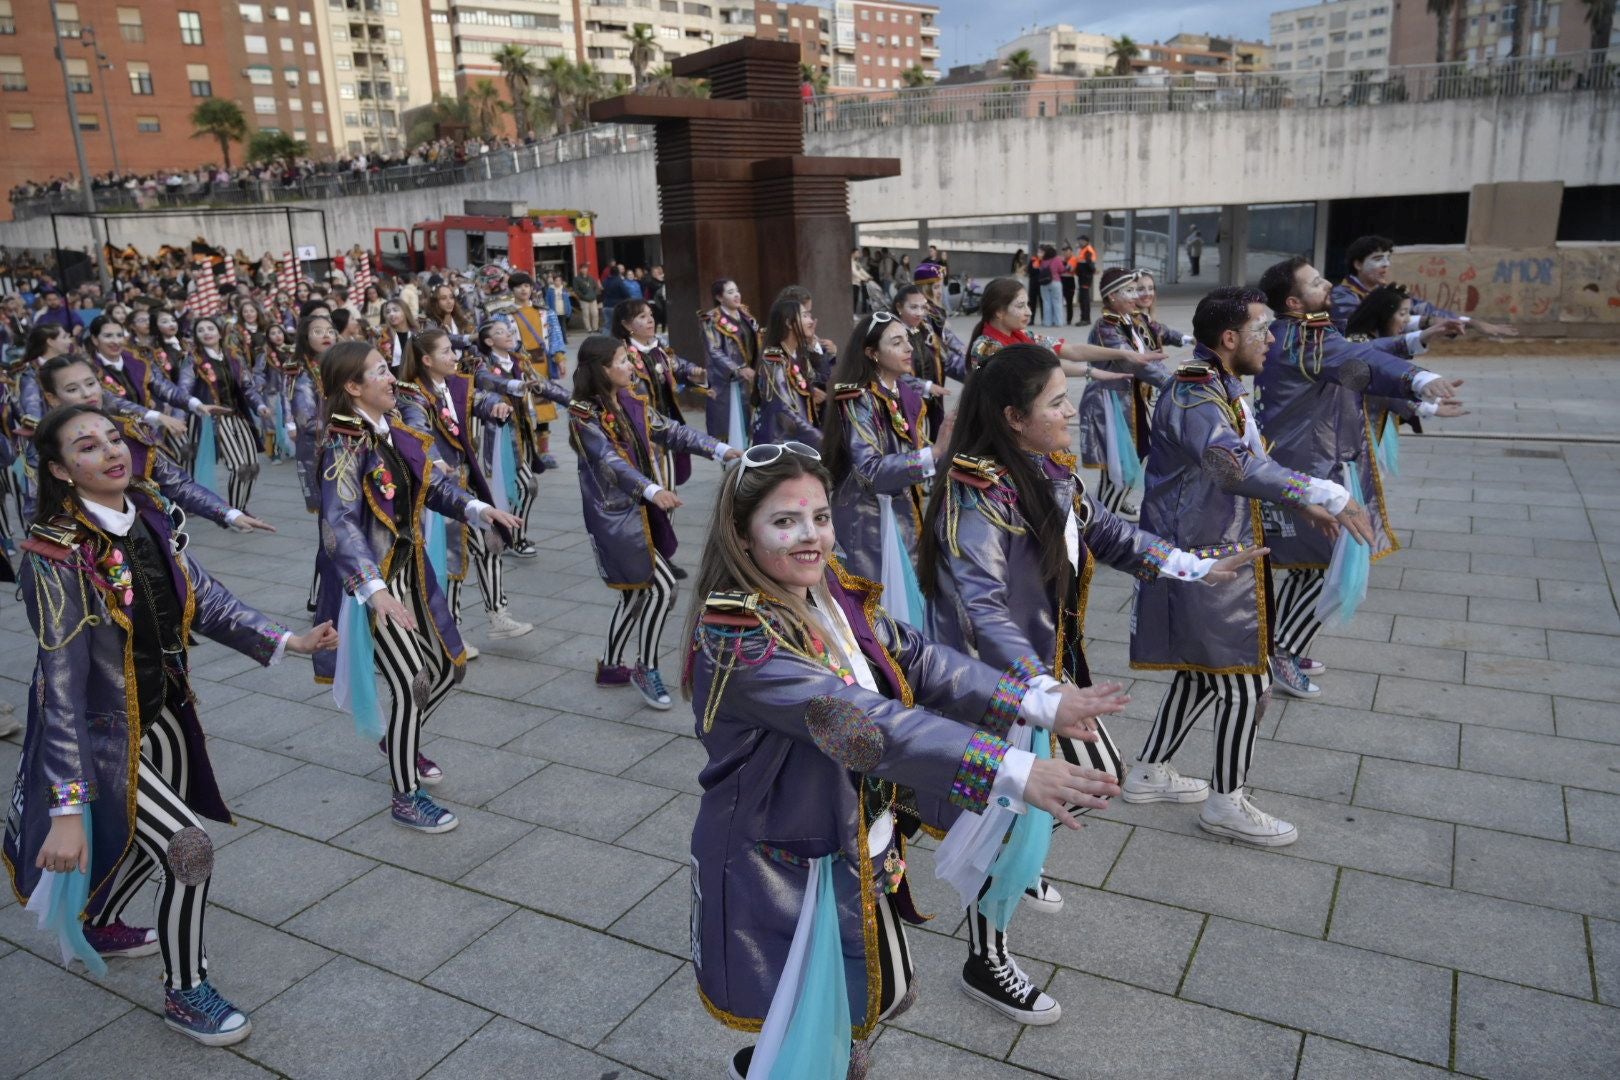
point(971, 29)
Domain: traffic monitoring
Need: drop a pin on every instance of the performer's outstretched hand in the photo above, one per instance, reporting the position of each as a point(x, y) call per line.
point(1227, 569)
point(1054, 785)
point(1079, 708)
point(315, 639)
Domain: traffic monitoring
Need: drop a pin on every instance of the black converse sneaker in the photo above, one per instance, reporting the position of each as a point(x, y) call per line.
point(998, 982)
point(739, 1064)
point(1043, 896)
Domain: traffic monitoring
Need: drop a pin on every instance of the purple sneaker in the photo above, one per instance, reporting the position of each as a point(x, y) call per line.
point(612, 674)
point(427, 770)
point(1311, 667)
point(417, 811)
point(120, 940)
point(205, 1016)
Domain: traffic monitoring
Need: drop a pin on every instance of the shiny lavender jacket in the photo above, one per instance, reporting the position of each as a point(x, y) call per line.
point(781, 788)
point(361, 537)
point(882, 461)
point(786, 409)
point(1113, 331)
point(1348, 294)
point(661, 373)
point(421, 410)
point(615, 467)
point(1311, 411)
point(84, 732)
point(306, 417)
point(1205, 472)
point(729, 344)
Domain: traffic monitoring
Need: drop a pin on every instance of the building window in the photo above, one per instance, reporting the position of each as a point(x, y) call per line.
point(8, 25)
point(295, 104)
point(148, 124)
point(130, 26)
point(79, 76)
point(89, 122)
point(343, 63)
point(255, 43)
point(11, 73)
point(140, 78)
point(395, 37)
point(197, 76)
point(264, 106)
point(314, 76)
point(280, 14)
point(20, 121)
point(259, 75)
point(304, 19)
point(346, 91)
point(318, 107)
point(250, 13)
point(67, 15)
point(309, 48)
point(286, 44)
point(320, 137)
point(190, 28)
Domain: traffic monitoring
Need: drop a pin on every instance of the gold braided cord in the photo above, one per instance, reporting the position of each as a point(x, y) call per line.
point(54, 605)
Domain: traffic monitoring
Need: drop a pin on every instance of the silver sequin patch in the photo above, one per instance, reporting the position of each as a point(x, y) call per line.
point(191, 856)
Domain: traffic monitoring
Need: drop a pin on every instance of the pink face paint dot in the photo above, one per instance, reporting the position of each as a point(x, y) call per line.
point(782, 537)
point(804, 502)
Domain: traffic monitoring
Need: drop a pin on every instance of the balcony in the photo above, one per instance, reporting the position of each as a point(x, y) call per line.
point(930, 52)
point(928, 30)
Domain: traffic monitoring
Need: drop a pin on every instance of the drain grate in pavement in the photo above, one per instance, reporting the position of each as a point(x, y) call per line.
point(1524, 451)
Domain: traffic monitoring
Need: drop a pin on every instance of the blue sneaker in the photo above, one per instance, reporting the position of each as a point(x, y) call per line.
point(1287, 677)
point(651, 684)
point(205, 1016)
point(417, 811)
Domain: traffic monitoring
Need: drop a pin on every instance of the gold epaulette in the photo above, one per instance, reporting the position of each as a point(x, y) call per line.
point(846, 391)
point(1317, 319)
point(581, 410)
point(775, 354)
point(731, 608)
point(413, 389)
point(979, 472)
point(1195, 371)
point(53, 540)
point(343, 426)
point(150, 489)
point(1065, 459)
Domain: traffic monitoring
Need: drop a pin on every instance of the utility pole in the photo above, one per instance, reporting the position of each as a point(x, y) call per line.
point(104, 66)
point(84, 168)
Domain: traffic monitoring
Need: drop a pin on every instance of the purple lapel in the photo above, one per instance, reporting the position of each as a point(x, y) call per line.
point(854, 607)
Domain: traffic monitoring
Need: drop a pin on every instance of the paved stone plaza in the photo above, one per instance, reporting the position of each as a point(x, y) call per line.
point(1453, 901)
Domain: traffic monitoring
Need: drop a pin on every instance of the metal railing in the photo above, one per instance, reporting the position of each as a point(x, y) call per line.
point(1049, 98)
point(599, 141)
point(1598, 70)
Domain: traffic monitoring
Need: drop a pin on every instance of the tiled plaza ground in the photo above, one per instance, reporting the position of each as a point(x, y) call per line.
point(1453, 902)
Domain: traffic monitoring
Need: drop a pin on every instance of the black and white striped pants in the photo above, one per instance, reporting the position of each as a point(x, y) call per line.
point(1239, 701)
point(528, 485)
point(161, 815)
point(1297, 624)
point(643, 612)
point(895, 965)
point(487, 564)
point(418, 674)
point(1109, 494)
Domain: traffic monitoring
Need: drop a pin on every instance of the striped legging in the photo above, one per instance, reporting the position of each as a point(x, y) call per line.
point(418, 674)
point(1240, 702)
point(644, 610)
point(170, 840)
point(237, 448)
point(487, 563)
point(1109, 494)
point(1297, 624)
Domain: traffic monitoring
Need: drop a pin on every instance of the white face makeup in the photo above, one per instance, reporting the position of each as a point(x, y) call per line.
point(1375, 268)
point(790, 534)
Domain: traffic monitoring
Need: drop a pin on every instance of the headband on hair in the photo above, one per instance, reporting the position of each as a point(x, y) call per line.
point(1115, 279)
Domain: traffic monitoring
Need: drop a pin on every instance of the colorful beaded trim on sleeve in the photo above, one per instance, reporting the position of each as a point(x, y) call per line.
point(367, 572)
point(264, 646)
point(980, 763)
point(78, 792)
point(1153, 559)
point(1298, 484)
point(1009, 695)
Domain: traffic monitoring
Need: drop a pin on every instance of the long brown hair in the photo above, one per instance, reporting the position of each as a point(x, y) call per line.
point(420, 345)
point(591, 381)
point(343, 363)
point(854, 366)
point(998, 297)
point(727, 566)
point(56, 495)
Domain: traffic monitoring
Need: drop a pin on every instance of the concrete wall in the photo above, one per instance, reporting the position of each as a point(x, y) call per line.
point(1120, 161)
point(1566, 289)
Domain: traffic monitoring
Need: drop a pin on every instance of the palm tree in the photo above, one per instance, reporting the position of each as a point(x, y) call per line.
point(219, 119)
point(519, 72)
point(1019, 67)
point(1444, 12)
point(643, 48)
point(915, 76)
point(663, 82)
point(813, 75)
point(556, 80)
point(589, 84)
point(484, 106)
point(445, 113)
point(1123, 52)
point(276, 146)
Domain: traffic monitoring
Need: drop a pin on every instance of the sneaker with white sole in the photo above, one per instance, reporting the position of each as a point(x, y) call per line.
point(1044, 897)
point(418, 812)
point(118, 940)
point(1130, 512)
point(1287, 677)
point(1235, 816)
point(1149, 782)
point(427, 770)
point(1311, 667)
point(205, 1016)
point(502, 625)
point(651, 685)
point(472, 650)
point(997, 981)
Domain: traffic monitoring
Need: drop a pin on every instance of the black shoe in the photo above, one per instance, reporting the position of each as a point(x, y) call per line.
point(999, 983)
point(739, 1064)
point(680, 575)
point(524, 549)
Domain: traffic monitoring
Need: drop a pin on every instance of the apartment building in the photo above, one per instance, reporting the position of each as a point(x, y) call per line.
point(274, 69)
point(1061, 49)
point(1480, 30)
point(1239, 55)
point(875, 41)
point(1333, 36)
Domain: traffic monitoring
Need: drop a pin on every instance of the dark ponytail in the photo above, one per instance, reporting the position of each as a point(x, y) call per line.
point(998, 297)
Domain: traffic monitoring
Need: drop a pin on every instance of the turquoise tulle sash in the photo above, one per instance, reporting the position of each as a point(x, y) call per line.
point(354, 684)
point(1018, 867)
point(1344, 586)
point(203, 470)
point(59, 898)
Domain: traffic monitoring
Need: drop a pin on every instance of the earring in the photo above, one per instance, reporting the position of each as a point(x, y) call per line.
point(71, 483)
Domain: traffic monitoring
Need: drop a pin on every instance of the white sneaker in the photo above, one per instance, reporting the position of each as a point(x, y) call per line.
point(1044, 897)
point(502, 625)
point(1159, 782)
point(1236, 817)
point(1130, 512)
point(472, 650)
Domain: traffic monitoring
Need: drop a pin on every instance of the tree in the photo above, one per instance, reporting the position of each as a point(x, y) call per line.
point(589, 84)
point(267, 146)
point(643, 49)
point(519, 72)
point(1444, 12)
point(1600, 17)
point(484, 108)
point(915, 76)
point(813, 75)
point(219, 119)
point(1124, 50)
point(663, 82)
point(556, 80)
point(1020, 66)
point(445, 113)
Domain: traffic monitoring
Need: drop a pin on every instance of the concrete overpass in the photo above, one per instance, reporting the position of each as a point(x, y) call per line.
point(1113, 160)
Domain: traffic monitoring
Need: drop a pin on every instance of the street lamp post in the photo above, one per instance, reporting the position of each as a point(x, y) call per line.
point(84, 167)
point(87, 38)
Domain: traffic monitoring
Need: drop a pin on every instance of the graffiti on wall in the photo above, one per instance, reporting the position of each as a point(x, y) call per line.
point(1547, 285)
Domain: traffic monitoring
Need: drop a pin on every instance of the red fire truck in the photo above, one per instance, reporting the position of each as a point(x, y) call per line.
point(538, 241)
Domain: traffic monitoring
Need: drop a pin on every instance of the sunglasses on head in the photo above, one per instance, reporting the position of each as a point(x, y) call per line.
point(761, 454)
